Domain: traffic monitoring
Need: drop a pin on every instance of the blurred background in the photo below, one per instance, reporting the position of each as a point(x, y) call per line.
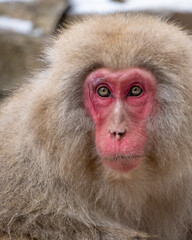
point(26, 25)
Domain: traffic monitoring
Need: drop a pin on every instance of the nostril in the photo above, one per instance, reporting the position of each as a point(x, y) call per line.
point(114, 134)
point(121, 134)
point(118, 135)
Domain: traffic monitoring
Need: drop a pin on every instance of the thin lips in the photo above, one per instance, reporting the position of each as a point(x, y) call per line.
point(115, 158)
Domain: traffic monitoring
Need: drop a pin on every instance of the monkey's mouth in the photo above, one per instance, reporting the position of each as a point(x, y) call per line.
point(122, 163)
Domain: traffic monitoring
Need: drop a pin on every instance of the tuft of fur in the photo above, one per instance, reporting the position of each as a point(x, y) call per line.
point(52, 183)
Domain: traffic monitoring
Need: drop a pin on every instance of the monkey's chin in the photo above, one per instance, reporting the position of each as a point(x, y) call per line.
point(123, 164)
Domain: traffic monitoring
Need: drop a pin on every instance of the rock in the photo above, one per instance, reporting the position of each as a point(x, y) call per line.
point(25, 27)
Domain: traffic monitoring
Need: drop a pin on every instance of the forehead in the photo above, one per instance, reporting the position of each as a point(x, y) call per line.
point(123, 41)
point(126, 41)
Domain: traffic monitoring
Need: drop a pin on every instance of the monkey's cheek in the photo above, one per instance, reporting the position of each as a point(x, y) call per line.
point(122, 165)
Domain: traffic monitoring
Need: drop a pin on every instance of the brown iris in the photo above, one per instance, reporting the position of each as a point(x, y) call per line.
point(103, 92)
point(135, 91)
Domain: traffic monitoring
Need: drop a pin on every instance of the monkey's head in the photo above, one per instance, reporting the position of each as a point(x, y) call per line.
point(122, 94)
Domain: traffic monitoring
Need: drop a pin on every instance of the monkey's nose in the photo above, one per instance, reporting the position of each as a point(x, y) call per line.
point(118, 134)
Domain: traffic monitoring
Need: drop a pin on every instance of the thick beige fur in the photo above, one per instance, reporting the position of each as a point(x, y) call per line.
point(52, 183)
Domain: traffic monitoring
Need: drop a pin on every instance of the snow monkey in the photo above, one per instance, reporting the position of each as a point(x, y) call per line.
point(99, 144)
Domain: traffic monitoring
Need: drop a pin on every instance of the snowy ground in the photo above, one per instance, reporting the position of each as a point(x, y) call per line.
point(11, 1)
point(15, 25)
point(97, 6)
point(104, 6)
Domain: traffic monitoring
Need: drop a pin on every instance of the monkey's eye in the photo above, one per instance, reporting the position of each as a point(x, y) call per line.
point(103, 92)
point(135, 91)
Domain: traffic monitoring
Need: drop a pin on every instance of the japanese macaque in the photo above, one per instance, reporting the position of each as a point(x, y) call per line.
point(99, 145)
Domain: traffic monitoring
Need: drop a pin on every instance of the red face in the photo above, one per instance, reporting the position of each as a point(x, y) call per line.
point(119, 103)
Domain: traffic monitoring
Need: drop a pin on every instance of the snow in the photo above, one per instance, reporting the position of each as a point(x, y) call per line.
point(11, 1)
point(15, 25)
point(107, 6)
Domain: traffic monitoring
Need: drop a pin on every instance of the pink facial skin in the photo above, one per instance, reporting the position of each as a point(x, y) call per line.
point(120, 118)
